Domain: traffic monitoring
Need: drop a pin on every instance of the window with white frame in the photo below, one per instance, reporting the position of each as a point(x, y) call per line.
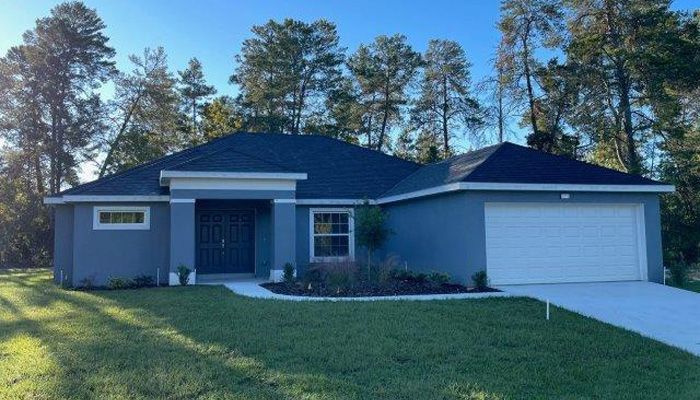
point(332, 236)
point(121, 218)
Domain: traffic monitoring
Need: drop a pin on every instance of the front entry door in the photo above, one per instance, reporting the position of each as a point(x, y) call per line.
point(225, 241)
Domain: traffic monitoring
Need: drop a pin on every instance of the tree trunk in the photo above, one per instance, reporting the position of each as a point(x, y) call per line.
point(528, 82)
point(445, 119)
point(500, 107)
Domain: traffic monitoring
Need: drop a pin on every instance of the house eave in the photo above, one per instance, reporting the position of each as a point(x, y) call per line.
point(530, 187)
point(166, 176)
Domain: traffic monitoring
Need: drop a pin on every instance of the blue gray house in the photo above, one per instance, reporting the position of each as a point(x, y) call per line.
point(246, 204)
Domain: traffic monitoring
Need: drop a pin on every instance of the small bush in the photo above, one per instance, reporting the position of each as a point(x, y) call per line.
point(385, 270)
point(87, 283)
point(679, 273)
point(438, 278)
point(117, 283)
point(480, 280)
point(144, 281)
point(288, 273)
point(410, 276)
point(183, 275)
point(341, 276)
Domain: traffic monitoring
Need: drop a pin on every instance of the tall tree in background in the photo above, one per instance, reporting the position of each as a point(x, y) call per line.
point(220, 117)
point(628, 54)
point(445, 107)
point(194, 91)
point(49, 115)
point(526, 26)
point(680, 164)
point(63, 60)
point(383, 70)
point(144, 124)
point(285, 73)
point(498, 106)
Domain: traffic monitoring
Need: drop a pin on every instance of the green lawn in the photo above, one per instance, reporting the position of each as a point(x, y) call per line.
point(693, 285)
point(206, 342)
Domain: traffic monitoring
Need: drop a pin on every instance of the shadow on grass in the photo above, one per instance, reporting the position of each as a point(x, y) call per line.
point(207, 342)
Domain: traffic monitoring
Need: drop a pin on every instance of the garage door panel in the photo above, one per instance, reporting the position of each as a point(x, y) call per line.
point(540, 243)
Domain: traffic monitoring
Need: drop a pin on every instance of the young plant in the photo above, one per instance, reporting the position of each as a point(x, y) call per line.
point(481, 280)
point(288, 273)
point(183, 274)
point(370, 230)
point(117, 283)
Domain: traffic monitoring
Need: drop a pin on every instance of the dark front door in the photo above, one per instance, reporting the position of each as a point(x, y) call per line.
point(225, 241)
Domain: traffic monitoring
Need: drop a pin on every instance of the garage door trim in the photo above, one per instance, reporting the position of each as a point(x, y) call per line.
point(639, 217)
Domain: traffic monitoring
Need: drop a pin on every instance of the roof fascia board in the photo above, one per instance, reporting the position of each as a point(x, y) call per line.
point(333, 202)
point(103, 199)
point(166, 175)
point(534, 187)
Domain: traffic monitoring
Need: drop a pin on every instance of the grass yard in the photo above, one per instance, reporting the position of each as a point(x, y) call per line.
point(206, 342)
point(693, 285)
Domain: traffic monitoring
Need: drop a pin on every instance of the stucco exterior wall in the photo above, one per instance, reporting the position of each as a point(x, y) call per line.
point(447, 232)
point(99, 254)
point(63, 244)
point(438, 233)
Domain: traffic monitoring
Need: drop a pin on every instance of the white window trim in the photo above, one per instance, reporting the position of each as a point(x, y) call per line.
point(351, 234)
point(145, 225)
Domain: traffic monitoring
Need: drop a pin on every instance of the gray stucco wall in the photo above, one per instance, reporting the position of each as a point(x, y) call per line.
point(63, 243)
point(447, 232)
point(99, 254)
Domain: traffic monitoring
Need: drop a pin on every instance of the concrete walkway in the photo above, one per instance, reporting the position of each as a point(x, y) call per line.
point(252, 288)
point(664, 313)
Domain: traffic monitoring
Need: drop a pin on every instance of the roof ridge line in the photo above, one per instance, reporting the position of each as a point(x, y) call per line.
point(421, 166)
point(481, 164)
point(231, 147)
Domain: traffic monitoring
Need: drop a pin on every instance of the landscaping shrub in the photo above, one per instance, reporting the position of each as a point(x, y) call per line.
point(384, 271)
point(144, 281)
point(480, 280)
point(438, 278)
point(679, 273)
point(288, 273)
point(183, 275)
point(87, 283)
point(409, 276)
point(117, 283)
point(340, 276)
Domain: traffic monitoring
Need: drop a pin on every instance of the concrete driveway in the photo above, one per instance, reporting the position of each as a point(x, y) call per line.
point(664, 313)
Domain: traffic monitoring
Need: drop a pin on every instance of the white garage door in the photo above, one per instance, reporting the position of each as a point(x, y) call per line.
point(551, 242)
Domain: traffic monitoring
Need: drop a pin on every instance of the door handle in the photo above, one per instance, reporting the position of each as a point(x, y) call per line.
point(223, 243)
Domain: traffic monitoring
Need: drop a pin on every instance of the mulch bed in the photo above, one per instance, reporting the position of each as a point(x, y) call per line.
point(366, 290)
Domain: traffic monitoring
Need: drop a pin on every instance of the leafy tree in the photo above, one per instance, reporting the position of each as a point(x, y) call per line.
point(526, 26)
point(50, 113)
point(220, 117)
point(370, 229)
point(145, 114)
point(61, 63)
point(445, 104)
point(285, 72)
point(629, 56)
point(344, 116)
point(194, 91)
point(383, 71)
point(559, 88)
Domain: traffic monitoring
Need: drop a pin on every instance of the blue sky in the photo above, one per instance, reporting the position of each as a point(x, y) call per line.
point(214, 30)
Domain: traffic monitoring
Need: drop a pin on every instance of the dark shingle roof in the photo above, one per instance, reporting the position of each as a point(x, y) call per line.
point(335, 168)
point(340, 170)
point(511, 163)
point(229, 160)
